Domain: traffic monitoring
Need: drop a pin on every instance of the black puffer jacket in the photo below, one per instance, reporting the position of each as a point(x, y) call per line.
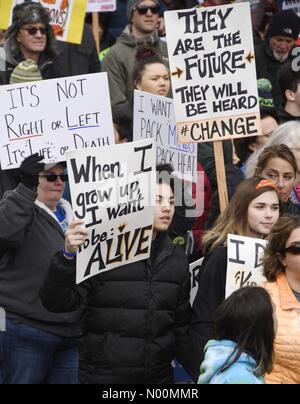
point(136, 319)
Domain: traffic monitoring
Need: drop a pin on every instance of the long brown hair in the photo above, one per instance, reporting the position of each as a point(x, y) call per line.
point(234, 219)
point(275, 249)
point(279, 151)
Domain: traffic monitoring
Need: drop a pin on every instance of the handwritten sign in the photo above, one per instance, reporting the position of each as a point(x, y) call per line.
point(102, 6)
point(154, 118)
point(112, 190)
point(53, 116)
point(66, 17)
point(211, 57)
point(244, 265)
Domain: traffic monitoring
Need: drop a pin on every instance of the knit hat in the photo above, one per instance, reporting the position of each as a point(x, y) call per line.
point(28, 13)
point(265, 93)
point(131, 4)
point(25, 71)
point(285, 23)
point(49, 166)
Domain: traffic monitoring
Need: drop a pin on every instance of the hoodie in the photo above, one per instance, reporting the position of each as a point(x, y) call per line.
point(240, 372)
point(119, 63)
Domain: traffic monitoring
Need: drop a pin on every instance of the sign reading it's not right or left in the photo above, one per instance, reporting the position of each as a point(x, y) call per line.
point(211, 55)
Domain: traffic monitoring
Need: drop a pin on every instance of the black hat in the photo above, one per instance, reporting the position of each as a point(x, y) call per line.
point(131, 4)
point(28, 13)
point(285, 23)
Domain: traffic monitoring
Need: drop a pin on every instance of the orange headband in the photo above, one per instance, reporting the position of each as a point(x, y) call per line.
point(266, 183)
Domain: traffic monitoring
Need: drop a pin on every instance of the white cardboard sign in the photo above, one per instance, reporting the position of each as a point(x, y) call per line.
point(53, 116)
point(244, 262)
point(211, 55)
point(154, 118)
point(113, 191)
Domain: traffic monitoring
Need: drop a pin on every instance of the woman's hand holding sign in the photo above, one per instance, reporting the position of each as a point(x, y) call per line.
point(75, 237)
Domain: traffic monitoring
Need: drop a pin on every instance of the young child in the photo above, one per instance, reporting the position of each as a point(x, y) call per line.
point(241, 350)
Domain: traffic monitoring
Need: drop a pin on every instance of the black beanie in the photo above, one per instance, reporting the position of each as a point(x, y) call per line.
point(285, 23)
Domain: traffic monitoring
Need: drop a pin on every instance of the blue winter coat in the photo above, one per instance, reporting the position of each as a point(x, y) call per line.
point(240, 372)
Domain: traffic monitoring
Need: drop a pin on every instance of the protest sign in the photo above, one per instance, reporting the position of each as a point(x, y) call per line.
point(53, 116)
point(113, 191)
point(194, 271)
point(102, 6)
point(244, 262)
point(154, 118)
point(66, 17)
point(213, 73)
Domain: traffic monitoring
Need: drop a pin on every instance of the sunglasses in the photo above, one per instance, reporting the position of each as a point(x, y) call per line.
point(34, 30)
point(293, 249)
point(53, 177)
point(144, 10)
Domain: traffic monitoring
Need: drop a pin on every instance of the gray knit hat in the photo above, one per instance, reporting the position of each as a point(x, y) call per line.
point(131, 4)
point(25, 71)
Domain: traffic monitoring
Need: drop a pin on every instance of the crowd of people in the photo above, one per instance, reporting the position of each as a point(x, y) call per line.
point(128, 325)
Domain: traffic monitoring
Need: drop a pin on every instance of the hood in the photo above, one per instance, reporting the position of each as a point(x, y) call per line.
point(216, 354)
point(64, 204)
point(128, 39)
point(9, 56)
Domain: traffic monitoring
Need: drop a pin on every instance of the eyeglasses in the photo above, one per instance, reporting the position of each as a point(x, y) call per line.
point(144, 10)
point(53, 177)
point(34, 30)
point(293, 249)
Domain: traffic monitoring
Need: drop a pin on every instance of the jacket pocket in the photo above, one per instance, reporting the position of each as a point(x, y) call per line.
point(92, 347)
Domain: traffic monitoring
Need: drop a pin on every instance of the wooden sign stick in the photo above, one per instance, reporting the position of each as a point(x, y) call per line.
point(221, 175)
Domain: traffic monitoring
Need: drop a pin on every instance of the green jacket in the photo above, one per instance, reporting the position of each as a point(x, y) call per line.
point(119, 63)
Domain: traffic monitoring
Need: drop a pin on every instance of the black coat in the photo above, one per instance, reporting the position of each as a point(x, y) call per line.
point(30, 237)
point(210, 294)
point(80, 59)
point(285, 117)
point(267, 67)
point(136, 319)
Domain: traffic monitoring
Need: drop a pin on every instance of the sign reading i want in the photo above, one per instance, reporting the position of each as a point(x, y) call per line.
point(154, 118)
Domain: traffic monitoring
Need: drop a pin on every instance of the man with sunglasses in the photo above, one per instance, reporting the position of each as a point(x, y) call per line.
point(142, 31)
point(38, 347)
point(30, 36)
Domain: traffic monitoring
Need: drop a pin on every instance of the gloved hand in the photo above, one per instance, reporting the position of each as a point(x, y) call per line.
point(30, 169)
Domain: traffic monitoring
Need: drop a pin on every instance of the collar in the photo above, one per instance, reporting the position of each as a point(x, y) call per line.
point(287, 299)
point(64, 204)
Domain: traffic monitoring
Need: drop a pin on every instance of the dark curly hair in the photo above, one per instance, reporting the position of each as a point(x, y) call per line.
point(145, 55)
